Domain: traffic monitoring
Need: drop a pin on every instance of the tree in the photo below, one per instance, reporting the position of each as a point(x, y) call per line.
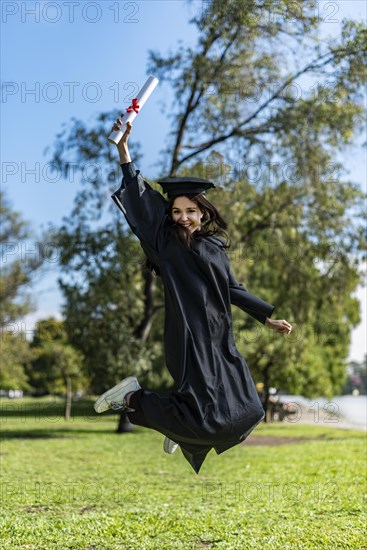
point(247, 94)
point(107, 318)
point(15, 357)
point(244, 88)
point(17, 272)
point(57, 367)
point(109, 306)
point(235, 99)
point(17, 267)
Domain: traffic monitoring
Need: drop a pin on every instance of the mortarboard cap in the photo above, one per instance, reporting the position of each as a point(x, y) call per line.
point(184, 186)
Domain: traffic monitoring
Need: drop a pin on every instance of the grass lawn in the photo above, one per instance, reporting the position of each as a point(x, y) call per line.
point(79, 485)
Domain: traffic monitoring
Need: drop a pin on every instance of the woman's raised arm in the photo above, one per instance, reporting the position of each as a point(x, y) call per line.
point(144, 208)
point(122, 145)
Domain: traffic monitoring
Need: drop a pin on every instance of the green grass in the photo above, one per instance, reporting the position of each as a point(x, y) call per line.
point(79, 485)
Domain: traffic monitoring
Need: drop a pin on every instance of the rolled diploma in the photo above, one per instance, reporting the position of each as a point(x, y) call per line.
point(142, 96)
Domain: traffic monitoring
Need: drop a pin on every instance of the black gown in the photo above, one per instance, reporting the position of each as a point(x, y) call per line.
point(214, 403)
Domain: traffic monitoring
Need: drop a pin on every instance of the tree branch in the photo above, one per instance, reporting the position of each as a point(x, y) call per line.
point(191, 105)
point(315, 64)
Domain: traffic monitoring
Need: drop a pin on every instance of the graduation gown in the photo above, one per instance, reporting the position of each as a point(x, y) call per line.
point(214, 403)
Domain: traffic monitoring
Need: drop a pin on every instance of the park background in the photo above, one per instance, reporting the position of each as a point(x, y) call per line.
point(292, 485)
point(97, 57)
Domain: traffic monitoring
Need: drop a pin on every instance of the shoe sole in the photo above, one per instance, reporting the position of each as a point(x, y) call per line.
point(102, 405)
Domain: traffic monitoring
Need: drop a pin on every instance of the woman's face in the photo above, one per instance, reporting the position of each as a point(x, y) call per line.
point(187, 213)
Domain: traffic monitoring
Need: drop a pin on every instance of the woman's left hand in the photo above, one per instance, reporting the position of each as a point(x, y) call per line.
point(281, 326)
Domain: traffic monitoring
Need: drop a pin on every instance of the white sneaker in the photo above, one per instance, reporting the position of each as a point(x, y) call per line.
point(115, 397)
point(169, 446)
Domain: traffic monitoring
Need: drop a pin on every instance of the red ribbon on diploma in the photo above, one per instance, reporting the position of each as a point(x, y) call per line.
point(134, 106)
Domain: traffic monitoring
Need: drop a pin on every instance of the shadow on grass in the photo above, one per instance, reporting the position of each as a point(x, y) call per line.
point(43, 418)
point(39, 408)
point(59, 434)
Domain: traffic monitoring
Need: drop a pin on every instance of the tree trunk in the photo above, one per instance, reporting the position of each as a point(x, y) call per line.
point(266, 394)
point(123, 425)
point(68, 399)
point(142, 330)
point(266, 408)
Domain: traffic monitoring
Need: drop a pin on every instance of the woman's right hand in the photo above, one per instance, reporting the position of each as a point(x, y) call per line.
point(127, 132)
point(122, 145)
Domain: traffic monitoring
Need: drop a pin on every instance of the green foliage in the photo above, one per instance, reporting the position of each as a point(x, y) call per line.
point(294, 245)
point(246, 86)
point(106, 305)
point(17, 272)
point(17, 268)
point(15, 356)
point(55, 361)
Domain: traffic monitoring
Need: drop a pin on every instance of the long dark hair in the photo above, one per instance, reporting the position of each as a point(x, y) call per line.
point(212, 224)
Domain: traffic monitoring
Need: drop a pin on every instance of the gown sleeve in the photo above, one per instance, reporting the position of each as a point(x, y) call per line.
point(144, 208)
point(251, 304)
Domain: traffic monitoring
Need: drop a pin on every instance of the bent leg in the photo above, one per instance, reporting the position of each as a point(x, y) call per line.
point(167, 416)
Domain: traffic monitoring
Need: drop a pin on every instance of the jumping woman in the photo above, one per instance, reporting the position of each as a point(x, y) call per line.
point(214, 403)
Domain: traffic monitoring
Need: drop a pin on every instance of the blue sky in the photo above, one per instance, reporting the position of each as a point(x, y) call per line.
point(75, 59)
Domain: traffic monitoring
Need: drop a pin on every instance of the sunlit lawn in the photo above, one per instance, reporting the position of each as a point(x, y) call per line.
point(79, 485)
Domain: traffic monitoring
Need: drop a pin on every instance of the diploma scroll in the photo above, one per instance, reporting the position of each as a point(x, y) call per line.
point(134, 109)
